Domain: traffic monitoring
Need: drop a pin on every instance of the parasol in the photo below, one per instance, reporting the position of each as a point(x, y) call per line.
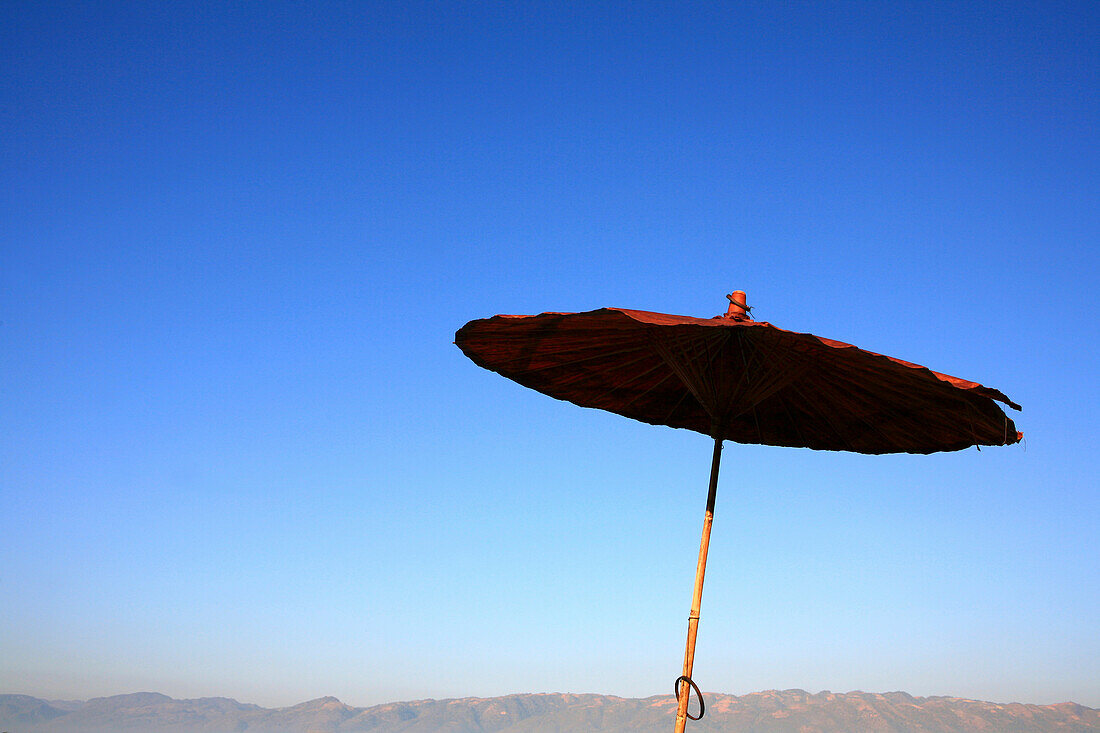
point(733, 378)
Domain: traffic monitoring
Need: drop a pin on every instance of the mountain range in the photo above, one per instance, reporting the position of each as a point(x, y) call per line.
point(773, 711)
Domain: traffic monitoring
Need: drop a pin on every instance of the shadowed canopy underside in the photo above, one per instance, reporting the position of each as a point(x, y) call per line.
point(740, 380)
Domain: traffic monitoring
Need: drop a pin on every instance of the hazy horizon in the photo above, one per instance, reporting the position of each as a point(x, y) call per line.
point(782, 711)
point(350, 703)
point(274, 704)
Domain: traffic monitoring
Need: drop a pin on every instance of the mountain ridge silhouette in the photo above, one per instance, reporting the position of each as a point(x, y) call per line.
point(768, 711)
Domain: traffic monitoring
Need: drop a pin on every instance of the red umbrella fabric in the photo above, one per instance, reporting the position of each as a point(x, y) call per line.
point(740, 380)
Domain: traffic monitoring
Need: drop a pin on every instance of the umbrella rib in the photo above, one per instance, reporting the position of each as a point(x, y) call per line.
point(756, 381)
point(683, 396)
point(636, 377)
point(755, 417)
point(775, 385)
point(897, 417)
point(680, 369)
point(873, 427)
point(843, 378)
point(914, 421)
point(790, 417)
point(698, 364)
point(929, 387)
point(707, 354)
point(602, 355)
point(760, 354)
point(930, 391)
point(824, 417)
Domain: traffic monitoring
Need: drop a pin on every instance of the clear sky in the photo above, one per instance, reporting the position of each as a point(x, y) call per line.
point(240, 454)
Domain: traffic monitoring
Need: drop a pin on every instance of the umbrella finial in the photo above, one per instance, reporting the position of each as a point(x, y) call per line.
point(737, 308)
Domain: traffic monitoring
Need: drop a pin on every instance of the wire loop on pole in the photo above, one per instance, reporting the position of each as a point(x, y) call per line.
point(698, 694)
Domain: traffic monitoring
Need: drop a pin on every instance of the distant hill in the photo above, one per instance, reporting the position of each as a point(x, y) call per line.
point(786, 711)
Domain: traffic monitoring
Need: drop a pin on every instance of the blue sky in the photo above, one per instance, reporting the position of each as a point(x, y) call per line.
point(240, 455)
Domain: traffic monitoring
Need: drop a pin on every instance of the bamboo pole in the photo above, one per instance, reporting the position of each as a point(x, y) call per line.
point(697, 595)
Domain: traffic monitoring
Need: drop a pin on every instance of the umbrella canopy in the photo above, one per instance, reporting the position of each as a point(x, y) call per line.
point(742, 380)
point(733, 378)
